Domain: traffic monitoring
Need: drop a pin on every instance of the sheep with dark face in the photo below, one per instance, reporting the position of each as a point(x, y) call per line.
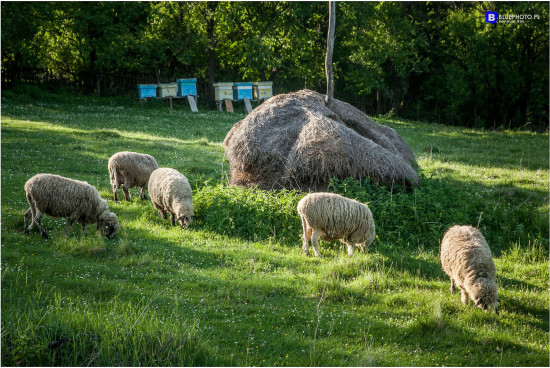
point(330, 216)
point(171, 193)
point(129, 170)
point(467, 259)
point(75, 200)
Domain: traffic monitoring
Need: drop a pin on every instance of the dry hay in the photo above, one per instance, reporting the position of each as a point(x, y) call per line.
point(295, 141)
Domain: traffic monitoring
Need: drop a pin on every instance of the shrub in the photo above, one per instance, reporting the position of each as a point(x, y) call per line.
point(419, 217)
point(249, 213)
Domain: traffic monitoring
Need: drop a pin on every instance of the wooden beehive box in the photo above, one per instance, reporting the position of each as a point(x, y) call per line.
point(223, 91)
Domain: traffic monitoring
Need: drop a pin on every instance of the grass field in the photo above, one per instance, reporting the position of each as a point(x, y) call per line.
point(235, 288)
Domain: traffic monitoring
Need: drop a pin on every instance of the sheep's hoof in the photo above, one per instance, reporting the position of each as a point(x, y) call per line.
point(44, 235)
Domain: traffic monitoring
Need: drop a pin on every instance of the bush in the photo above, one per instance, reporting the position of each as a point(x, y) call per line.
point(420, 217)
point(251, 214)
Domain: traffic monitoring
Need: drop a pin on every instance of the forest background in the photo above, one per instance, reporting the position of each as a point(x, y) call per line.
point(429, 61)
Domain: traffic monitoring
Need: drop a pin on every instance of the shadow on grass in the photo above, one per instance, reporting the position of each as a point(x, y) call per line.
point(84, 156)
point(191, 284)
point(525, 150)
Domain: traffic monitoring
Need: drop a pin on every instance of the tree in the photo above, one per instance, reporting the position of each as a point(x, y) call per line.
point(330, 48)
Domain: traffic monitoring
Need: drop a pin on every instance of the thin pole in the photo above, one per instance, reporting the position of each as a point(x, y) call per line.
point(330, 48)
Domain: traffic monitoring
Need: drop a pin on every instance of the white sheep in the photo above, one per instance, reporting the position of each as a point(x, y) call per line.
point(75, 200)
point(130, 169)
point(467, 259)
point(331, 216)
point(170, 192)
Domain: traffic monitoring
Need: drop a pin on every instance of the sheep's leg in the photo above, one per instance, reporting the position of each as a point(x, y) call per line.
point(28, 216)
point(84, 230)
point(173, 219)
point(350, 248)
point(162, 213)
point(315, 241)
point(453, 287)
point(69, 227)
point(159, 208)
point(115, 183)
point(32, 213)
point(115, 189)
point(305, 236)
point(142, 195)
point(464, 296)
point(38, 220)
point(126, 193)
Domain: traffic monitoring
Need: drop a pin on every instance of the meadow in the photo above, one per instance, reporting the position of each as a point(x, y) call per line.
point(235, 288)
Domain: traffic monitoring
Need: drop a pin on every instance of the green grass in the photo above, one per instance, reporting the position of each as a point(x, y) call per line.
point(235, 288)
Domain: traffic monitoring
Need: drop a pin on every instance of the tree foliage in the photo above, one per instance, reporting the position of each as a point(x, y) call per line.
point(435, 61)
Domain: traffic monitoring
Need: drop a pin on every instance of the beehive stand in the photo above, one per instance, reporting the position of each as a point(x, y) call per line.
point(228, 105)
point(192, 103)
point(247, 106)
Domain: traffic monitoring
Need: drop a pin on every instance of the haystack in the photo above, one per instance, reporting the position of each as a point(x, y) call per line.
point(296, 141)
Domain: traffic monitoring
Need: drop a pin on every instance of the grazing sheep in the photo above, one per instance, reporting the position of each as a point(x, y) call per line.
point(466, 258)
point(331, 216)
point(58, 196)
point(130, 169)
point(170, 192)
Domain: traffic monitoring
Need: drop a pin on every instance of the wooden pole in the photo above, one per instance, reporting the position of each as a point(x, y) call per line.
point(330, 48)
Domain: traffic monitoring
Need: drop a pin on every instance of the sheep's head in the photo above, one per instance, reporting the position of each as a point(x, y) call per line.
point(108, 224)
point(185, 220)
point(485, 295)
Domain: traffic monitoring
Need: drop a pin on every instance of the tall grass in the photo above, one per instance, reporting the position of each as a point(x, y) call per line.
point(235, 288)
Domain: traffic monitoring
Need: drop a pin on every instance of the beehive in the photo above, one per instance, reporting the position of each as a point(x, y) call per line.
point(242, 90)
point(147, 90)
point(223, 91)
point(262, 90)
point(168, 90)
point(187, 87)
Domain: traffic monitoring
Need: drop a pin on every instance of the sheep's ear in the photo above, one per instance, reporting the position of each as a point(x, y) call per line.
point(478, 302)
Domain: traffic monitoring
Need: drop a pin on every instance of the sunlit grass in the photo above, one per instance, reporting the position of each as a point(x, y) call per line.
point(235, 288)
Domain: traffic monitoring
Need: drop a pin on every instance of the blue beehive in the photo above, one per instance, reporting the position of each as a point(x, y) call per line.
point(187, 87)
point(242, 90)
point(147, 90)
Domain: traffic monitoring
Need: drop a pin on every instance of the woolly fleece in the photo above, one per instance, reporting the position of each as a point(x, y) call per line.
point(75, 200)
point(130, 169)
point(170, 192)
point(331, 216)
point(467, 259)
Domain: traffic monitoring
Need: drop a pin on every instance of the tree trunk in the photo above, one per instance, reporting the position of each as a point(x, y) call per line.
point(378, 102)
point(330, 48)
point(91, 72)
point(208, 13)
point(211, 62)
